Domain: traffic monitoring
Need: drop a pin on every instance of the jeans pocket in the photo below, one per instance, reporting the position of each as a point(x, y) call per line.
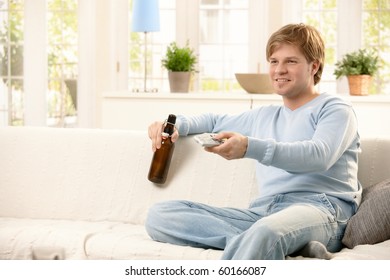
point(322, 202)
point(326, 202)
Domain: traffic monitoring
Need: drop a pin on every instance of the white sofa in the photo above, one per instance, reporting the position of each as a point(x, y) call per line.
point(84, 193)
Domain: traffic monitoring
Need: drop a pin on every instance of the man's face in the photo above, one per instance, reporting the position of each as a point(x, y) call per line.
point(291, 74)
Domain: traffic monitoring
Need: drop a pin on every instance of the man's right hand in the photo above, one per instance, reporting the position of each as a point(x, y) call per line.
point(155, 130)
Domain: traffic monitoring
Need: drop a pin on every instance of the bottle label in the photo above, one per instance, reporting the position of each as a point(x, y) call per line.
point(164, 134)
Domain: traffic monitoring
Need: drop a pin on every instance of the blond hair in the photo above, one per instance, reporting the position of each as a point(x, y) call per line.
point(307, 38)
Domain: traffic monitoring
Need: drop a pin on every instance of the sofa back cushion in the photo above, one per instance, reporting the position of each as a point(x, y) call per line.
point(374, 160)
point(93, 174)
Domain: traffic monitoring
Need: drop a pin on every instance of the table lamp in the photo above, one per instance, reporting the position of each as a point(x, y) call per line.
point(146, 18)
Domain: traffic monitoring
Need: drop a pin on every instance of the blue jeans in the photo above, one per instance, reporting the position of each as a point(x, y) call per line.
point(271, 228)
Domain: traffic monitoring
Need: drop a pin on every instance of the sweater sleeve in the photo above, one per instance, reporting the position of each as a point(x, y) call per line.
point(335, 130)
point(209, 122)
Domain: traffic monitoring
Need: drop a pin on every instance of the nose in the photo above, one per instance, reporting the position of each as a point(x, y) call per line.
point(280, 68)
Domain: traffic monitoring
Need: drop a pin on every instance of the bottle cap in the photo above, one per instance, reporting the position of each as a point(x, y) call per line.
point(171, 119)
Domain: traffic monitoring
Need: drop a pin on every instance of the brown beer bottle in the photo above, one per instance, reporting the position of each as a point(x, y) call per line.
point(162, 157)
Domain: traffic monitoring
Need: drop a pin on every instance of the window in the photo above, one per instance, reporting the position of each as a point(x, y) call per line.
point(11, 62)
point(338, 26)
point(348, 25)
point(323, 15)
point(42, 41)
point(62, 50)
point(223, 44)
point(217, 35)
point(225, 47)
point(376, 35)
point(156, 43)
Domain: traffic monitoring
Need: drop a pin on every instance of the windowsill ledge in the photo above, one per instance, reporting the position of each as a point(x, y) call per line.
point(377, 98)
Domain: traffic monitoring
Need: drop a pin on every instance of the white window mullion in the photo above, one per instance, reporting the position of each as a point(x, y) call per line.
point(35, 63)
point(187, 27)
point(187, 15)
point(259, 27)
point(265, 17)
point(349, 26)
point(86, 85)
point(292, 11)
point(119, 44)
point(102, 55)
point(349, 33)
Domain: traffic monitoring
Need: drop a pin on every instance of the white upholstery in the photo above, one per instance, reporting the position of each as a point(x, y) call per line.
point(85, 191)
point(374, 161)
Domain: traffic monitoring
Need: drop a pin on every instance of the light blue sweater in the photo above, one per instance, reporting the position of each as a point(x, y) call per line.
point(311, 149)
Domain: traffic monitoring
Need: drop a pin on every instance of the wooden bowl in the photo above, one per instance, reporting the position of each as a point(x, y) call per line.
point(255, 82)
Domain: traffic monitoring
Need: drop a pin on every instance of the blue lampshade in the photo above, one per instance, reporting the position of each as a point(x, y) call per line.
point(146, 16)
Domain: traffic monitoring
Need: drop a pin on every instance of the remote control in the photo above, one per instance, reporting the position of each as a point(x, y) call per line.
point(207, 140)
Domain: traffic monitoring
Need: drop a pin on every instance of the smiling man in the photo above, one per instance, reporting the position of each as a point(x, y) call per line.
point(306, 164)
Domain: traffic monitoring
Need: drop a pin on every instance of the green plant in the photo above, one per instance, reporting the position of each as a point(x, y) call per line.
point(179, 59)
point(360, 62)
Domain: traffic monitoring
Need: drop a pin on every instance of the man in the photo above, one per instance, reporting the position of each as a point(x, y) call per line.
point(306, 163)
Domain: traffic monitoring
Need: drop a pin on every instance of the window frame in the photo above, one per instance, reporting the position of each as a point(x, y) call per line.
point(103, 47)
point(269, 15)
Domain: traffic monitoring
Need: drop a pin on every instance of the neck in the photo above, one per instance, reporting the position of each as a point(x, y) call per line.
point(295, 102)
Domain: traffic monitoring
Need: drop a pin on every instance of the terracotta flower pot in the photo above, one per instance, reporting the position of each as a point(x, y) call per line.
point(359, 84)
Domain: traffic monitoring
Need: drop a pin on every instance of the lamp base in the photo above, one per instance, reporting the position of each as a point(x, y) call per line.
point(145, 68)
point(152, 90)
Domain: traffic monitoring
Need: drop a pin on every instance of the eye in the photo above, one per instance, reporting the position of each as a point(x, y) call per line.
point(291, 61)
point(273, 62)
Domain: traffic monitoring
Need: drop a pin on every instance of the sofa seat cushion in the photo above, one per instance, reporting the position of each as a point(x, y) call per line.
point(20, 238)
point(379, 251)
point(128, 241)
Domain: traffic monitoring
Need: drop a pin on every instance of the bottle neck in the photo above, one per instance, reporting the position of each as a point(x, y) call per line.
point(168, 129)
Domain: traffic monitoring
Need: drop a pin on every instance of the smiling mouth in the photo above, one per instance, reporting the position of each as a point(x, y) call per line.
point(282, 80)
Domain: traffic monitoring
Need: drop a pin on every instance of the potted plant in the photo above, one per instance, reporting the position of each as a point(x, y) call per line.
point(180, 63)
point(359, 67)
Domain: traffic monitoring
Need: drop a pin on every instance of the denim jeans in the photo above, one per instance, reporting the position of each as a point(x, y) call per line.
point(271, 228)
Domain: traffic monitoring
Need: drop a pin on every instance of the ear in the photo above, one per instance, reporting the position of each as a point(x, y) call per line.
point(315, 66)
